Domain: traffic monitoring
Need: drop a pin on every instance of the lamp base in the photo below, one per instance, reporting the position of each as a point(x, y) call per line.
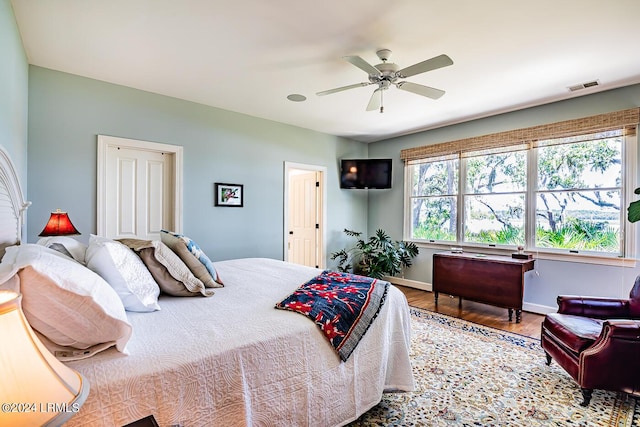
point(148, 421)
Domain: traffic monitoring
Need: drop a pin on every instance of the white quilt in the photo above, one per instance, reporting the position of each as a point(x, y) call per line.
point(234, 360)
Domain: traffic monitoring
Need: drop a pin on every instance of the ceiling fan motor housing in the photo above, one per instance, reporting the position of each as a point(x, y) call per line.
point(387, 73)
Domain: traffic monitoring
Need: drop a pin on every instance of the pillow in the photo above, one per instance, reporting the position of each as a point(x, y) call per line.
point(59, 247)
point(197, 261)
point(125, 272)
point(65, 245)
point(168, 270)
point(77, 312)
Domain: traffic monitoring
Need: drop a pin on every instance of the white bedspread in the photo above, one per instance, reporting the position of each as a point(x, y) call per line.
point(234, 360)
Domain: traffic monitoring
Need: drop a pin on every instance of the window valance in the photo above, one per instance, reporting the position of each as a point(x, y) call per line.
point(625, 119)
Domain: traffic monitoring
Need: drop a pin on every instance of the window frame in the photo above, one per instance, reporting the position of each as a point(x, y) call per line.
point(464, 192)
point(628, 230)
point(408, 210)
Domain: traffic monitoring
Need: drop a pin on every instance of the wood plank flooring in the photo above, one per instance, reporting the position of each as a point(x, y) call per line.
point(475, 312)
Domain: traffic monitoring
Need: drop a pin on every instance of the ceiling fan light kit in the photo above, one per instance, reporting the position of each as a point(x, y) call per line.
point(386, 74)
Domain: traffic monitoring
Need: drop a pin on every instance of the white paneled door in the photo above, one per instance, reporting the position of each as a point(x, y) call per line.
point(305, 217)
point(139, 192)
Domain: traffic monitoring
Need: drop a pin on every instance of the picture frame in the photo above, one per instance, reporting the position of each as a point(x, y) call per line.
point(231, 195)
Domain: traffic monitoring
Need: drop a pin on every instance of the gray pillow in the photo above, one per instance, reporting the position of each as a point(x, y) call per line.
point(60, 248)
point(65, 245)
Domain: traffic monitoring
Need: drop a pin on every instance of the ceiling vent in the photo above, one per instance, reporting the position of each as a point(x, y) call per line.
point(583, 86)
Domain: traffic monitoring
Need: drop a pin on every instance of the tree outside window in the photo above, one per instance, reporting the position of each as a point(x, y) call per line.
point(434, 204)
point(576, 197)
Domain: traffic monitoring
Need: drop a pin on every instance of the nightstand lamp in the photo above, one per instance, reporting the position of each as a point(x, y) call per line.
point(59, 225)
point(36, 388)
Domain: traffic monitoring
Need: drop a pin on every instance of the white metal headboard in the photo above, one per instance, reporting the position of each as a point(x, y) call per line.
point(12, 204)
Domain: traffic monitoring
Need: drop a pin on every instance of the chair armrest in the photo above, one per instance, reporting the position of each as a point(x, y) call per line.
point(610, 362)
point(622, 328)
point(600, 308)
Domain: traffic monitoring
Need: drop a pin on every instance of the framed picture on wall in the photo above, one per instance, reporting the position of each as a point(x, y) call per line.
point(228, 195)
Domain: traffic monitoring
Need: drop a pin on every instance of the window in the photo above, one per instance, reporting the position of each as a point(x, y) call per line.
point(564, 195)
point(494, 198)
point(579, 193)
point(434, 200)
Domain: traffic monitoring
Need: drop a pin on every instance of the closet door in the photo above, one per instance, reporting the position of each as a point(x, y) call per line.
point(139, 190)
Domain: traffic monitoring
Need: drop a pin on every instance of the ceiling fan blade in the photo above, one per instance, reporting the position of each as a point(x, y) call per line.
point(427, 91)
point(362, 64)
point(340, 89)
point(374, 101)
point(424, 66)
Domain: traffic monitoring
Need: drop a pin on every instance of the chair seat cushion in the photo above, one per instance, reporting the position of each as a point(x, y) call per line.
point(575, 332)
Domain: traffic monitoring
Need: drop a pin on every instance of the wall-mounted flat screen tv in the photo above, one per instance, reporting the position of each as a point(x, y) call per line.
point(365, 173)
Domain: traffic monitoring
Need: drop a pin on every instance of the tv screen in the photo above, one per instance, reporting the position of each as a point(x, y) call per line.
point(365, 173)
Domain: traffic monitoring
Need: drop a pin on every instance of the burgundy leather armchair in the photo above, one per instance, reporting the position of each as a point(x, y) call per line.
point(597, 341)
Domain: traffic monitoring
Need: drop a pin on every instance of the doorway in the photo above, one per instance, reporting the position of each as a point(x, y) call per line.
point(139, 188)
point(304, 214)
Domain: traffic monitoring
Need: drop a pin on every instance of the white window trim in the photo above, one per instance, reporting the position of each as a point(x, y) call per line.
point(630, 180)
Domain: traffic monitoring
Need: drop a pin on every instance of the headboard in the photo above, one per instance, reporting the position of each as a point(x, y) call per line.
point(12, 204)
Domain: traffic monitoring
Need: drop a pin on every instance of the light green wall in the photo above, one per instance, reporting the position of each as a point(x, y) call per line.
point(386, 209)
point(14, 72)
point(68, 112)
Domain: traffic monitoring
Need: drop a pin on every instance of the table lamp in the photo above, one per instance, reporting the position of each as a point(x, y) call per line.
point(35, 387)
point(59, 225)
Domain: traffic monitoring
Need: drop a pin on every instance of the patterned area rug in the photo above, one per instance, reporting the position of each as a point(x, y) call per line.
point(472, 375)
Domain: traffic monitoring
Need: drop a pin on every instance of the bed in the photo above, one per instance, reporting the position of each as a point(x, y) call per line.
point(232, 359)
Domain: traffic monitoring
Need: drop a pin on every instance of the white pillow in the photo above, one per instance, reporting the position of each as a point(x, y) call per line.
point(74, 248)
point(125, 272)
point(74, 308)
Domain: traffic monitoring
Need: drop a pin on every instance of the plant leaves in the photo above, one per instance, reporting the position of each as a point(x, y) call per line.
point(377, 256)
point(633, 211)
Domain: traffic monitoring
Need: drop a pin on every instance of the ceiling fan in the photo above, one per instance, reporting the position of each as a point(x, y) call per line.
point(387, 74)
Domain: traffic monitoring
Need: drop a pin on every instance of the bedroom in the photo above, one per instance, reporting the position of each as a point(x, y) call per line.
point(50, 120)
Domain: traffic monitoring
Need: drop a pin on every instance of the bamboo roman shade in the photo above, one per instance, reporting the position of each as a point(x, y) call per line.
point(625, 119)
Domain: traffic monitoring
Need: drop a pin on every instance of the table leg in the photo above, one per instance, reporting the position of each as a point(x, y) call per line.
point(435, 297)
point(518, 315)
point(511, 314)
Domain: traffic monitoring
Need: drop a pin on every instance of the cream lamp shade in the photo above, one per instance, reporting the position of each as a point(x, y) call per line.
point(35, 387)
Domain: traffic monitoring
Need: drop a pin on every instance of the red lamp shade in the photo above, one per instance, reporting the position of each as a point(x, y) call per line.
point(59, 225)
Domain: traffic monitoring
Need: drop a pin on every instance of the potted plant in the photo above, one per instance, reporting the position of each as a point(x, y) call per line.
point(376, 257)
point(633, 211)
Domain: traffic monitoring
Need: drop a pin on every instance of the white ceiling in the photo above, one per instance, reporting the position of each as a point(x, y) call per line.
point(248, 55)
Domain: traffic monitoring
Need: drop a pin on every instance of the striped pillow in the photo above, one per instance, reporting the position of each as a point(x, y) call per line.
point(191, 254)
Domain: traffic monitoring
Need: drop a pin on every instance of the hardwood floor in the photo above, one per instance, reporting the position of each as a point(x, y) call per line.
point(483, 314)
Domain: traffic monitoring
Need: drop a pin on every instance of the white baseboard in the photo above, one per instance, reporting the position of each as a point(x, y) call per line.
point(410, 283)
point(537, 308)
point(526, 306)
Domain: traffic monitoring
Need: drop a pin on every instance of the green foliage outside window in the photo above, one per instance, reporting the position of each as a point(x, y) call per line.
point(577, 196)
